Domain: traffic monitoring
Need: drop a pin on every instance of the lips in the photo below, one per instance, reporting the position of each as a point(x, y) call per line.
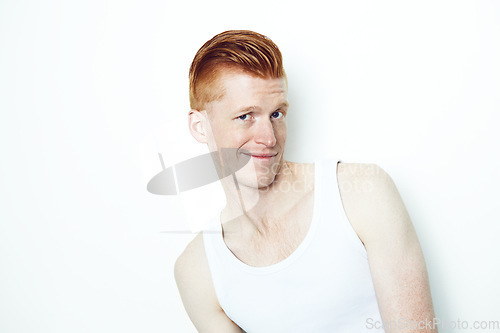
point(257, 155)
point(262, 157)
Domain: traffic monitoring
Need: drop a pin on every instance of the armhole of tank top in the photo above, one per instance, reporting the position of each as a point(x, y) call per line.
point(351, 233)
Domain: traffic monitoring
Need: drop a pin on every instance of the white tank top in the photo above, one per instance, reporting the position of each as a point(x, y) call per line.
point(325, 285)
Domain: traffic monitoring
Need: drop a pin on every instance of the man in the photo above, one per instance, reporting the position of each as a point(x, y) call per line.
point(323, 247)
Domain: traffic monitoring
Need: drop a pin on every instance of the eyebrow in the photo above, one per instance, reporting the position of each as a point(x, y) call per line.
point(246, 109)
point(283, 105)
point(253, 107)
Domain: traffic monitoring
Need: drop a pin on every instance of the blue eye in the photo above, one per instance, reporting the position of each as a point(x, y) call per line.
point(277, 114)
point(243, 116)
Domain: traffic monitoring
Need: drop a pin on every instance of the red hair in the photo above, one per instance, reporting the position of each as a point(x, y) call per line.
point(237, 50)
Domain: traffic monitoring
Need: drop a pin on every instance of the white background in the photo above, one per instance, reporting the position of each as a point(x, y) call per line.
point(91, 91)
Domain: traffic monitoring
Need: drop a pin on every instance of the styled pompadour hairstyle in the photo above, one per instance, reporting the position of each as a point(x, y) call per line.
point(237, 50)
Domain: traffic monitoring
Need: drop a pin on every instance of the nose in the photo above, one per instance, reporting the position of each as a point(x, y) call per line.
point(264, 133)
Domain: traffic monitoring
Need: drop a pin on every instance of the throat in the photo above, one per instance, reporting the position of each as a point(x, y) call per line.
point(276, 224)
point(270, 241)
point(272, 247)
point(278, 241)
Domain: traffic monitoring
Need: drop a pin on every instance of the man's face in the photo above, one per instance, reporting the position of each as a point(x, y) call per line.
point(251, 116)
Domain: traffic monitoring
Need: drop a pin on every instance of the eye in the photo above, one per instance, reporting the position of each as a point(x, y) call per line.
point(277, 115)
point(245, 116)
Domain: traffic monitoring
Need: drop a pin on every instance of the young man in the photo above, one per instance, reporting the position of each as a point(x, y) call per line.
point(323, 247)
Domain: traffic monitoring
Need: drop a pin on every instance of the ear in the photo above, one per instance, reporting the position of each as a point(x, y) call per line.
point(197, 122)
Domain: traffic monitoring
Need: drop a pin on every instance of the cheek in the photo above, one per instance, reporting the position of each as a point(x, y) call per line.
point(226, 137)
point(280, 132)
point(219, 132)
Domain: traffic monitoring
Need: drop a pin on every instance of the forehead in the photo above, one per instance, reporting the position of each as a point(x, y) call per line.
point(240, 89)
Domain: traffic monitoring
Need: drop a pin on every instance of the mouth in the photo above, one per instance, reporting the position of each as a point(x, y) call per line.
point(262, 157)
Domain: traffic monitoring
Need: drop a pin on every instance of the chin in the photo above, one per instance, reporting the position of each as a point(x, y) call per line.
point(255, 180)
point(257, 175)
point(266, 180)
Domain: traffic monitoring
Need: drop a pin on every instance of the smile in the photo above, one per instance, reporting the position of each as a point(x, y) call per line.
point(263, 157)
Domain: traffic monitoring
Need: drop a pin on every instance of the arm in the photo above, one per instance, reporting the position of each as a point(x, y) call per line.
point(377, 214)
point(194, 282)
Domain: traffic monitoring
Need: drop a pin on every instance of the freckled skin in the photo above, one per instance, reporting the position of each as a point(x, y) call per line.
point(397, 265)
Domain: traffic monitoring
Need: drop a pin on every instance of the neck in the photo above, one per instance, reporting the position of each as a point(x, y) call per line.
point(258, 209)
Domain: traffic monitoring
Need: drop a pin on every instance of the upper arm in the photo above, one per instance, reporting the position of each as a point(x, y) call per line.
point(378, 215)
point(194, 282)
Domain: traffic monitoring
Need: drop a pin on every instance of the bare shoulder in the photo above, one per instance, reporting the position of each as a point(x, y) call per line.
point(364, 181)
point(192, 276)
point(377, 213)
point(192, 272)
point(195, 285)
point(191, 258)
point(371, 200)
point(350, 174)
